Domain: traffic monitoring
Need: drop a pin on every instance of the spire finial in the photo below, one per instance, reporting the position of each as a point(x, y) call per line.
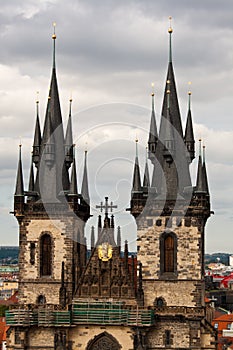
point(189, 95)
point(170, 30)
point(200, 140)
point(37, 103)
point(203, 147)
point(136, 142)
point(71, 100)
point(54, 37)
point(153, 96)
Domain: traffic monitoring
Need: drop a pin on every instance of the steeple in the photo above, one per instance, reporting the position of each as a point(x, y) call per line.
point(19, 188)
point(173, 99)
point(169, 142)
point(73, 181)
point(199, 183)
point(85, 190)
point(52, 176)
point(204, 172)
point(171, 176)
point(92, 237)
point(37, 137)
point(99, 226)
point(136, 175)
point(153, 134)
point(49, 142)
point(69, 140)
point(31, 186)
point(119, 238)
point(189, 136)
point(146, 179)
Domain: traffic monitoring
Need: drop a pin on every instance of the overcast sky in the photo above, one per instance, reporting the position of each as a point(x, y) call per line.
point(107, 54)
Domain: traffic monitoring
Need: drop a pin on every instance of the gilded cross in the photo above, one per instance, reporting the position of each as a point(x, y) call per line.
point(106, 206)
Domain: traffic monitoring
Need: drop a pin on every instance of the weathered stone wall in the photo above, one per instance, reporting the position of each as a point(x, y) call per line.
point(188, 250)
point(174, 293)
point(186, 286)
point(31, 283)
point(183, 335)
point(82, 335)
point(41, 338)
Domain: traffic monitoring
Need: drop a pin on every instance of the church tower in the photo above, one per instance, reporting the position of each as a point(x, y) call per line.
point(171, 220)
point(51, 214)
point(71, 298)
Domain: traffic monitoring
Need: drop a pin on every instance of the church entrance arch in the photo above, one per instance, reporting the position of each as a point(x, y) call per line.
point(103, 341)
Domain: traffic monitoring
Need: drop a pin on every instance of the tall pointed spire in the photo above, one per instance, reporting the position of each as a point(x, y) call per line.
point(169, 143)
point(69, 139)
point(37, 137)
point(19, 188)
point(52, 176)
point(199, 182)
point(85, 189)
point(153, 134)
point(99, 226)
point(73, 181)
point(146, 179)
point(31, 186)
point(173, 100)
point(136, 175)
point(189, 136)
point(204, 172)
point(119, 238)
point(92, 237)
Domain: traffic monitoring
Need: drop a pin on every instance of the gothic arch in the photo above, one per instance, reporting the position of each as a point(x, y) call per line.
point(45, 254)
point(103, 341)
point(168, 253)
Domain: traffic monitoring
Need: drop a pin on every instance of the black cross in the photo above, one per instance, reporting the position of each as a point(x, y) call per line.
point(106, 206)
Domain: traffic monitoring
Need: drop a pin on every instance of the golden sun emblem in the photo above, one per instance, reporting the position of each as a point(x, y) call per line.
point(105, 251)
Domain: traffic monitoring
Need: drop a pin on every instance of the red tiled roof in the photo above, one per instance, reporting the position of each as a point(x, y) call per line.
point(2, 328)
point(4, 334)
point(12, 300)
point(223, 321)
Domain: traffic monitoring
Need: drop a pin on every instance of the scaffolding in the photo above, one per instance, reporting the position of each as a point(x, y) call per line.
point(40, 317)
point(82, 312)
point(110, 313)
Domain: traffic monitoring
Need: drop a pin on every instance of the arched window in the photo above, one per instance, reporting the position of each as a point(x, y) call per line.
point(168, 253)
point(41, 300)
point(45, 255)
point(103, 341)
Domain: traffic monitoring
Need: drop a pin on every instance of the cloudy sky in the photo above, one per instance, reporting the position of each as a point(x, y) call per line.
point(107, 54)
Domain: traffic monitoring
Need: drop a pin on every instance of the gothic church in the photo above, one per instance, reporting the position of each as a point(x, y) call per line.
point(106, 299)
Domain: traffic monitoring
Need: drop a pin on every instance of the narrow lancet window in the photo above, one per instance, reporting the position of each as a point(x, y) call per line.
point(46, 255)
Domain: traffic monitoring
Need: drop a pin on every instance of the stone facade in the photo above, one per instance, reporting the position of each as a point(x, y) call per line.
point(154, 300)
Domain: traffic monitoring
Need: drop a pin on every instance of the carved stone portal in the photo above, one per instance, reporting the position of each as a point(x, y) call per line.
point(104, 341)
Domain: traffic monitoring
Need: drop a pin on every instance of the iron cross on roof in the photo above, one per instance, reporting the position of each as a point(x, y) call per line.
point(107, 206)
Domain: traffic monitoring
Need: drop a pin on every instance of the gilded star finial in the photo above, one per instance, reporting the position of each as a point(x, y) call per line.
point(170, 30)
point(37, 97)
point(189, 92)
point(152, 88)
point(54, 31)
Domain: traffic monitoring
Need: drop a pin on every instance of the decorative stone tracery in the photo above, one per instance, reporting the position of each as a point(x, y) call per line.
point(104, 341)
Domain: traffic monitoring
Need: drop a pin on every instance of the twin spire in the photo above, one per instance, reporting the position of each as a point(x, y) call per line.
point(170, 150)
point(50, 151)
